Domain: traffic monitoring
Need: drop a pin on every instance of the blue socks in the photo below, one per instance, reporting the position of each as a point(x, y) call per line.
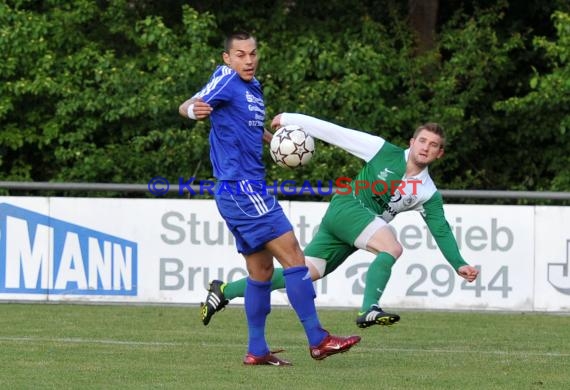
point(257, 308)
point(301, 294)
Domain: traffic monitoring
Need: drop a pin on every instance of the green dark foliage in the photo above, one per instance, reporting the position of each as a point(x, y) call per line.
point(89, 90)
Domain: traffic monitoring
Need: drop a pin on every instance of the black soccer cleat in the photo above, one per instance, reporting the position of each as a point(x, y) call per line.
point(376, 316)
point(215, 301)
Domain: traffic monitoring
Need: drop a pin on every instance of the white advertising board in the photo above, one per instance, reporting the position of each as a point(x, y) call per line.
point(497, 239)
point(552, 275)
point(166, 251)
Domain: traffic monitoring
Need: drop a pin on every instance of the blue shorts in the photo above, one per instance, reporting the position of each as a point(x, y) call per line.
point(253, 216)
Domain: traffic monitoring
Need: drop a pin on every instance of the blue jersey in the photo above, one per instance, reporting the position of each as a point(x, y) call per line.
point(237, 119)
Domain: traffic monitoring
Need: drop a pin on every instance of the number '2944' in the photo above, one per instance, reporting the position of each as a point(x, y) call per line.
point(445, 278)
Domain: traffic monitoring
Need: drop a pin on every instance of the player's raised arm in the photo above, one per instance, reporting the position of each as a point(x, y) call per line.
point(358, 143)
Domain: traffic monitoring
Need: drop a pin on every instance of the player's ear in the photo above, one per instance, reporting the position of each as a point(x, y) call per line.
point(226, 58)
point(440, 153)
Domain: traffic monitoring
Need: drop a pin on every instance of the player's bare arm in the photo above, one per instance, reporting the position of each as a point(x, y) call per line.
point(200, 109)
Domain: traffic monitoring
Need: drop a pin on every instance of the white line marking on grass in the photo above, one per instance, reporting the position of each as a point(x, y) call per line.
point(212, 345)
point(86, 341)
point(471, 351)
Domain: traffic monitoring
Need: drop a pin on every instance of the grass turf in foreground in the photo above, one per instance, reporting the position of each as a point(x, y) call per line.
point(145, 347)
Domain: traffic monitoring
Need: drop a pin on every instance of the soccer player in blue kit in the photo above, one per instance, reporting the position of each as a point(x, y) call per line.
point(233, 100)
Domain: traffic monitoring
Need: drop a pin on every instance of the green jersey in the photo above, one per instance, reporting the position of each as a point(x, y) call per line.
point(381, 188)
point(392, 192)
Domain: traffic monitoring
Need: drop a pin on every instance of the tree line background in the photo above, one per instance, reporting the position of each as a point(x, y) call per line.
point(90, 89)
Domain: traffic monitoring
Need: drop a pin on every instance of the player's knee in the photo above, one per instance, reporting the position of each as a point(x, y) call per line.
point(292, 259)
point(261, 272)
point(316, 266)
point(396, 250)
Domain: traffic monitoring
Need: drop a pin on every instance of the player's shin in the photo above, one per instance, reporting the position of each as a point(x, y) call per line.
point(377, 278)
point(257, 307)
point(301, 294)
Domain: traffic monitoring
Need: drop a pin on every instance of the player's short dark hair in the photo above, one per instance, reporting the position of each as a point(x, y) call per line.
point(236, 35)
point(433, 128)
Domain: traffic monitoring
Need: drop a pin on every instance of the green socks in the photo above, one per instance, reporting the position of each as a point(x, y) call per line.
point(236, 288)
point(377, 278)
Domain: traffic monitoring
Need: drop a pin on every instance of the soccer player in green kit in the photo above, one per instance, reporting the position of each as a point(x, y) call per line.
point(394, 180)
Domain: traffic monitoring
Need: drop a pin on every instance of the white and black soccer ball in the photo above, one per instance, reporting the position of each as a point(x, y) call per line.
point(292, 147)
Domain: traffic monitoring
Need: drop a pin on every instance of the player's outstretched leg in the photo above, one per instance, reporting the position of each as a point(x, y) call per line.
point(215, 301)
point(376, 316)
point(332, 345)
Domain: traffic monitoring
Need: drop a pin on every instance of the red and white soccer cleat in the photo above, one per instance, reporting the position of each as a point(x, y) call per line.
point(332, 345)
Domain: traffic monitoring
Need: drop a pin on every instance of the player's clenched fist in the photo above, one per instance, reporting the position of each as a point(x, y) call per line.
point(201, 109)
point(468, 272)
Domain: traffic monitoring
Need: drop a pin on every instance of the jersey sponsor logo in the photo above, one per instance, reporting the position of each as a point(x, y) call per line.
point(399, 202)
point(396, 197)
point(384, 174)
point(252, 107)
point(40, 254)
point(409, 200)
point(255, 105)
point(251, 98)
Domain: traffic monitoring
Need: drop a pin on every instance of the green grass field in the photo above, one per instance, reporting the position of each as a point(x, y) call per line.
point(72, 346)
